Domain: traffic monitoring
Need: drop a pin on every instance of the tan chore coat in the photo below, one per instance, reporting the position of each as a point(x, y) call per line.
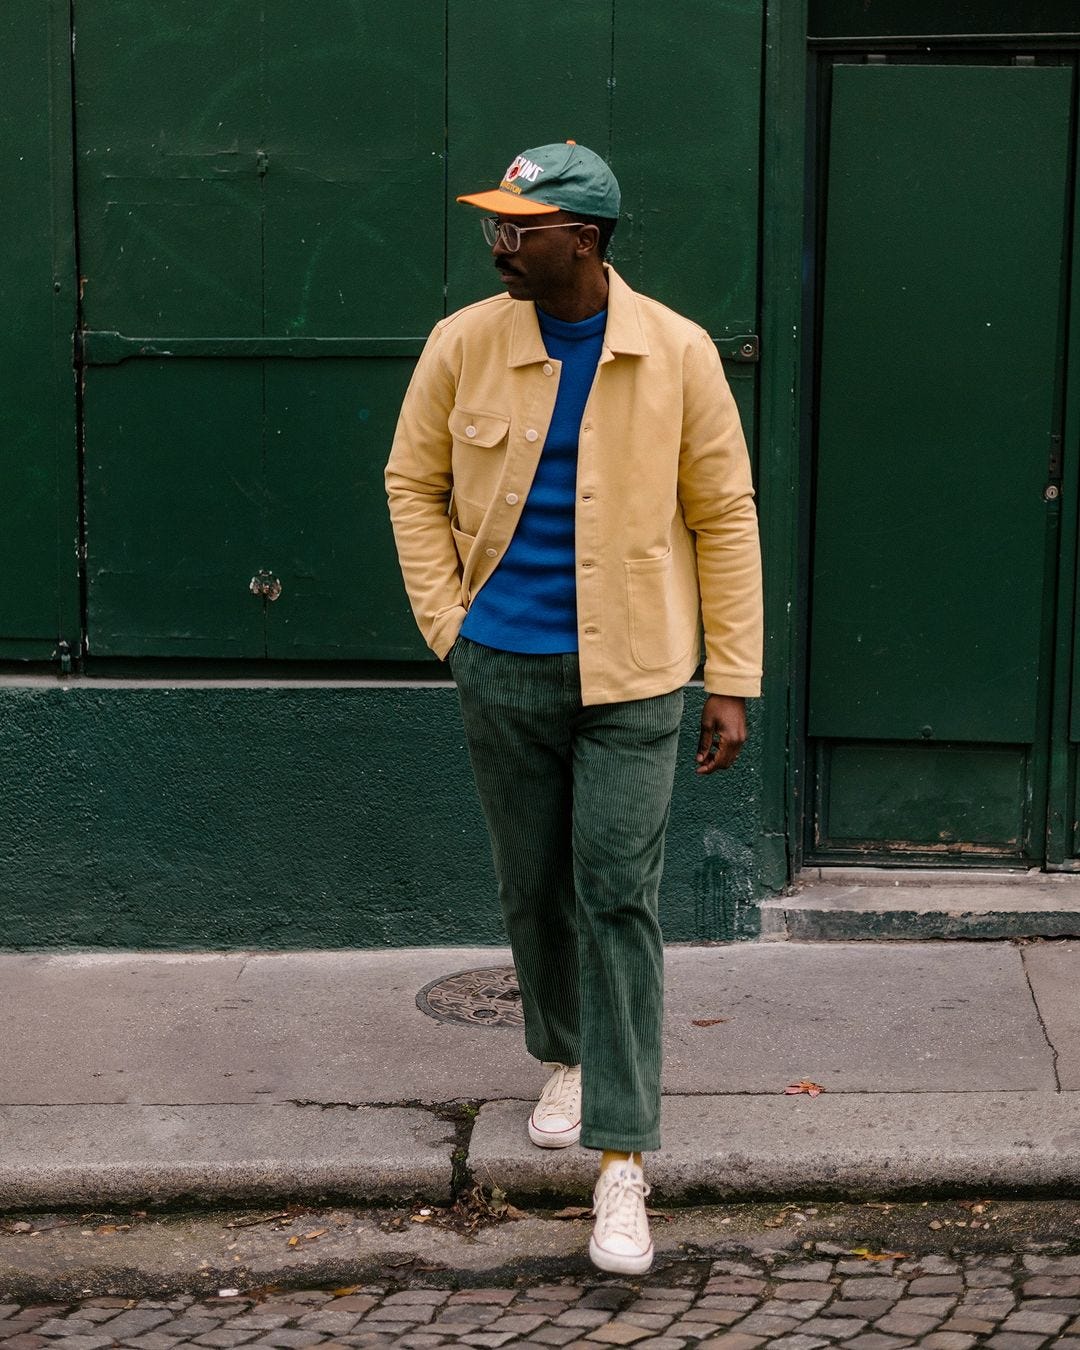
point(665, 527)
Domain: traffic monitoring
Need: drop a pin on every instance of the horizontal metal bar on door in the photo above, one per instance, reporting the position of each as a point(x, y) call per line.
point(99, 348)
point(109, 349)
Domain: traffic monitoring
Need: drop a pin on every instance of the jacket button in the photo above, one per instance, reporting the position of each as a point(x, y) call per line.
point(492, 552)
point(511, 499)
point(587, 564)
point(549, 370)
point(591, 629)
point(532, 434)
point(470, 431)
point(586, 496)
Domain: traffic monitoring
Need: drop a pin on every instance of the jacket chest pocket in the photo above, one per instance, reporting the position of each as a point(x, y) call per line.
point(479, 447)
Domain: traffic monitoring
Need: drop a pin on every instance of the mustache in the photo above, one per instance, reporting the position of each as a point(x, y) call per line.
point(501, 266)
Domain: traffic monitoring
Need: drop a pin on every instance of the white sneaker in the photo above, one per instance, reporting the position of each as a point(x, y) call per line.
point(620, 1241)
point(556, 1118)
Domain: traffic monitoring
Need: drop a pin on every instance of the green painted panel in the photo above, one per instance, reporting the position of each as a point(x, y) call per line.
point(38, 468)
point(201, 474)
point(175, 508)
point(280, 816)
point(262, 183)
point(353, 129)
point(168, 126)
point(252, 167)
point(939, 354)
point(614, 68)
point(923, 798)
point(558, 59)
point(328, 426)
point(686, 111)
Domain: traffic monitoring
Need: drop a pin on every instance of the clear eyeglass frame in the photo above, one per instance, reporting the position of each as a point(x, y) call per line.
point(509, 234)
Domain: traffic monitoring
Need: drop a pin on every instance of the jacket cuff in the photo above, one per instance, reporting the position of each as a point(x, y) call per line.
point(734, 686)
point(445, 629)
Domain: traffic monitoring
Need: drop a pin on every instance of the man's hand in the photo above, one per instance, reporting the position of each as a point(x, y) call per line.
point(723, 732)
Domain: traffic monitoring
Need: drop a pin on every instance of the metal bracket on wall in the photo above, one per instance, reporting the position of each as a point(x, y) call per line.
point(742, 347)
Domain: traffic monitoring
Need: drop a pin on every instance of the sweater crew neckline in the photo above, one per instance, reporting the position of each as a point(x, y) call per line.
point(578, 331)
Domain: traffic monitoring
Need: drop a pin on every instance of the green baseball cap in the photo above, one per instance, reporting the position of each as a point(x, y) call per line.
point(559, 177)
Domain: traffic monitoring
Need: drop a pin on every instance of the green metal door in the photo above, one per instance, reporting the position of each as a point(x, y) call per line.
point(937, 508)
point(268, 232)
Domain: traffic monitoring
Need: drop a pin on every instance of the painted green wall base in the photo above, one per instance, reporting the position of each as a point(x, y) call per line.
point(177, 817)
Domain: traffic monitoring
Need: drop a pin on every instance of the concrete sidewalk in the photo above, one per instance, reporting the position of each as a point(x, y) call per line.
point(947, 1066)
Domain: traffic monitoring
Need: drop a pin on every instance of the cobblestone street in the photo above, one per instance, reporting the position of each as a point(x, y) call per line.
point(791, 1301)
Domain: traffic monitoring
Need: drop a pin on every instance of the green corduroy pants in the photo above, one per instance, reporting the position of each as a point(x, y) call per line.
point(577, 800)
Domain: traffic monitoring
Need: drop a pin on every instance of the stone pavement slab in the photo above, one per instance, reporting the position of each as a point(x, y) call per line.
point(344, 1026)
point(192, 1027)
point(93, 1155)
point(1054, 971)
point(720, 1147)
point(916, 1017)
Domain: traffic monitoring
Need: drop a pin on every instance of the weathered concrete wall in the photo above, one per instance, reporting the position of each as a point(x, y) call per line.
point(213, 816)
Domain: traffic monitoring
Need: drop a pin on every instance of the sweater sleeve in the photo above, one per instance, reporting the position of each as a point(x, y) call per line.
point(418, 486)
point(717, 497)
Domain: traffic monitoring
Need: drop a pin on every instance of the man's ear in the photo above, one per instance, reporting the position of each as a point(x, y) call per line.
point(588, 240)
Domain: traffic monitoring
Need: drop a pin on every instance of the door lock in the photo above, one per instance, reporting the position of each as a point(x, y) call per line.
point(267, 585)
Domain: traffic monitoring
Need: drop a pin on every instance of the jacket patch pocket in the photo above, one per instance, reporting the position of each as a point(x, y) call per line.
point(660, 633)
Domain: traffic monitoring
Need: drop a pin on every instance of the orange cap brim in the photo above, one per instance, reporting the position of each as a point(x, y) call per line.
point(507, 203)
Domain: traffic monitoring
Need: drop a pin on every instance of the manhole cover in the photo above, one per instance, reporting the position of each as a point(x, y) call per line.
point(479, 998)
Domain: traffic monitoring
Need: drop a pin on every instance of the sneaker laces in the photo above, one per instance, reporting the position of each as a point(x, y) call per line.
point(559, 1097)
point(619, 1203)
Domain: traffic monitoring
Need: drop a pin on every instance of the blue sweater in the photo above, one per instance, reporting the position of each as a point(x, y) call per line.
point(529, 603)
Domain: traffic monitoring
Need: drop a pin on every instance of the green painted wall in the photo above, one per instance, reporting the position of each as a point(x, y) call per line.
point(288, 817)
point(183, 421)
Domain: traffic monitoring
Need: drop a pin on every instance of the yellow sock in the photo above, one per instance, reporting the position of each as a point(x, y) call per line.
point(608, 1157)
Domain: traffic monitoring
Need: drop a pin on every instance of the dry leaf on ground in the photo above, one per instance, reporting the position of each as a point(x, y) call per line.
point(709, 1021)
point(803, 1085)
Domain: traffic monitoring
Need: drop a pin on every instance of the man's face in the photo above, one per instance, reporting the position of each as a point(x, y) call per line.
point(544, 265)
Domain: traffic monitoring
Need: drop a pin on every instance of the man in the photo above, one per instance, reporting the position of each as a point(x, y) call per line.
point(570, 494)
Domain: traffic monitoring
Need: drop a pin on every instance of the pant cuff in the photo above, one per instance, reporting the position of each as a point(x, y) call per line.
point(603, 1142)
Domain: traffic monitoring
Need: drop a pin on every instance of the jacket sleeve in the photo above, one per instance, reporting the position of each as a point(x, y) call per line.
point(418, 485)
point(717, 497)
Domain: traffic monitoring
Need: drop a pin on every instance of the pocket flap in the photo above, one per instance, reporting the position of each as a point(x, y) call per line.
point(477, 428)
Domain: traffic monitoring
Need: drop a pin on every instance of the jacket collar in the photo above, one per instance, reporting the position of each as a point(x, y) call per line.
point(623, 333)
